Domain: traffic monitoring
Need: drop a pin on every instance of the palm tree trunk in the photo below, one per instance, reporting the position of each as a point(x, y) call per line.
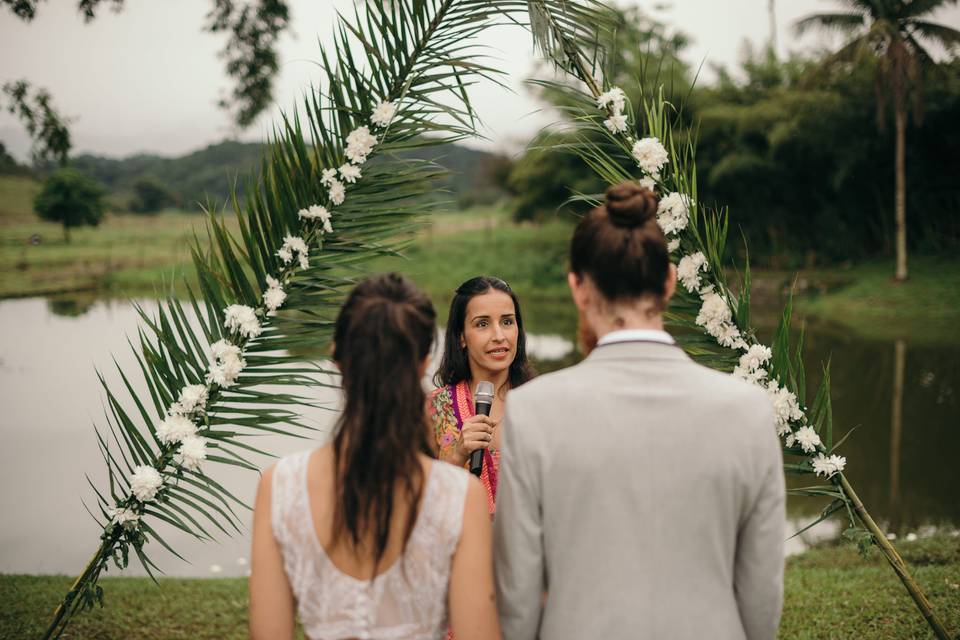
point(896, 432)
point(901, 195)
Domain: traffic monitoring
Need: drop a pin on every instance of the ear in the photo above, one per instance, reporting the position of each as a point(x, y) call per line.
point(670, 286)
point(577, 290)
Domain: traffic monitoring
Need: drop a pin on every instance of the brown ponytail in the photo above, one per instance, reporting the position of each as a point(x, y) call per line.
point(621, 247)
point(382, 334)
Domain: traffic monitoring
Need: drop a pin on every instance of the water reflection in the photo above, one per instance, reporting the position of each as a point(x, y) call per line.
point(902, 396)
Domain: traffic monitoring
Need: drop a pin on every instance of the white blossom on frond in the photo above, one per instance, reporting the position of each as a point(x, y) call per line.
point(192, 452)
point(313, 212)
point(673, 213)
point(350, 172)
point(175, 428)
point(828, 466)
point(673, 245)
point(785, 406)
point(328, 176)
point(647, 183)
point(755, 357)
point(383, 113)
point(193, 399)
point(714, 312)
point(615, 97)
point(274, 296)
point(338, 192)
point(808, 439)
point(617, 123)
point(145, 483)
point(359, 145)
point(689, 268)
point(294, 247)
point(650, 156)
point(239, 318)
point(226, 363)
point(124, 516)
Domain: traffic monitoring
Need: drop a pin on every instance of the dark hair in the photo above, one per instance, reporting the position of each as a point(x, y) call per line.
point(455, 365)
point(383, 332)
point(620, 245)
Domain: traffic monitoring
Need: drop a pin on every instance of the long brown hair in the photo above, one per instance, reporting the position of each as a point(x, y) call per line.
point(383, 333)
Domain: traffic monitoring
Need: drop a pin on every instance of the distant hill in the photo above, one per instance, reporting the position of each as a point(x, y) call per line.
point(209, 175)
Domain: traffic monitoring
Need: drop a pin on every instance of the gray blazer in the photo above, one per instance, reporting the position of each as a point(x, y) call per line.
point(645, 494)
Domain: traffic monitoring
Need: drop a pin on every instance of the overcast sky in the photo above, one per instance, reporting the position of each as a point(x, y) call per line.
point(148, 79)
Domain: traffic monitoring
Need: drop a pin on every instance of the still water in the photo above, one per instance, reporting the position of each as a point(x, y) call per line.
point(903, 399)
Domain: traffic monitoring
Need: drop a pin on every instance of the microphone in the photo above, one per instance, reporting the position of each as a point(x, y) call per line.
point(483, 402)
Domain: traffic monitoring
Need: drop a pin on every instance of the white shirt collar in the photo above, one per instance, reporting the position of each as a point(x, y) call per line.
point(634, 335)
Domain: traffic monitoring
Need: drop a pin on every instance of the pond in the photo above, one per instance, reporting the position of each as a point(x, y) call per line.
point(903, 399)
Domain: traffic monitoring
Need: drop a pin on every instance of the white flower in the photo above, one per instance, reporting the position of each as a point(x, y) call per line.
point(714, 312)
point(650, 156)
point(673, 245)
point(328, 176)
point(123, 516)
point(785, 407)
point(314, 212)
point(350, 173)
point(728, 335)
point(828, 466)
point(808, 439)
point(243, 319)
point(689, 268)
point(274, 296)
point(753, 376)
point(790, 440)
point(338, 192)
point(614, 97)
point(673, 213)
point(647, 183)
point(193, 451)
point(294, 245)
point(755, 357)
point(359, 145)
point(617, 123)
point(175, 428)
point(383, 113)
point(225, 363)
point(145, 482)
point(193, 399)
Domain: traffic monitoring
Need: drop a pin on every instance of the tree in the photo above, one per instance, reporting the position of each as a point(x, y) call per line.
point(47, 128)
point(891, 31)
point(150, 195)
point(70, 198)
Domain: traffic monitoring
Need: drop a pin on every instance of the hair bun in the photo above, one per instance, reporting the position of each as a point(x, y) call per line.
point(630, 205)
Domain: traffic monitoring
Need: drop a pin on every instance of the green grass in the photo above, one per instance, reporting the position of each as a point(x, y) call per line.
point(830, 592)
point(16, 198)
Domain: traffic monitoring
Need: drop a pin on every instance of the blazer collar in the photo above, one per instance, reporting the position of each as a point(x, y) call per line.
point(637, 350)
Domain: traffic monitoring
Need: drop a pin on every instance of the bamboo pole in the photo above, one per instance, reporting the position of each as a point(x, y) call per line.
point(893, 557)
point(61, 611)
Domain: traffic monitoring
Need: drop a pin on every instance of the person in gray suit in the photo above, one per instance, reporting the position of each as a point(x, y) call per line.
point(641, 494)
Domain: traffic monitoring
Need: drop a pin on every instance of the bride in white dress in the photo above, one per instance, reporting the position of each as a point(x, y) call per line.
point(369, 536)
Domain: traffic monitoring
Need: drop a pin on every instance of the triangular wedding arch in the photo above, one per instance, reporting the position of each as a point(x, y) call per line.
point(397, 78)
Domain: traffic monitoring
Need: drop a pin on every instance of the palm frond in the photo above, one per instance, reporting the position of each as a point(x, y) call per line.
point(845, 23)
point(944, 36)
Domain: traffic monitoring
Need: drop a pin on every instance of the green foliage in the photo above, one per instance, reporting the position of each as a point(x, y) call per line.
point(150, 196)
point(70, 198)
point(46, 127)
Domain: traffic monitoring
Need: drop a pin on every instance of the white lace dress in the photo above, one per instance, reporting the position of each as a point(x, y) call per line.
point(408, 603)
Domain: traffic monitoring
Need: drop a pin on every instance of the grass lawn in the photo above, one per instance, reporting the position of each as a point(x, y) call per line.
point(830, 592)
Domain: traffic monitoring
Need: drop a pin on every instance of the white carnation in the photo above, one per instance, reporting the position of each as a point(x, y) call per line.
point(314, 212)
point(808, 439)
point(714, 313)
point(673, 245)
point(350, 173)
point(755, 357)
point(193, 399)
point(828, 465)
point(728, 335)
point(124, 516)
point(225, 363)
point(617, 123)
point(243, 319)
point(785, 406)
point(294, 246)
point(383, 113)
point(753, 376)
point(647, 183)
point(359, 145)
point(193, 451)
point(274, 296)
point(650, 156)
point(328, 176)
point(145, 483)
point(790, 440)
point(175, 428)
point(614, 97)
point(689, 268)
point(338, 192)
point(673, 213)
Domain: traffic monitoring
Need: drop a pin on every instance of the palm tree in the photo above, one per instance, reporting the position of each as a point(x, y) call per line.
point(892, 32)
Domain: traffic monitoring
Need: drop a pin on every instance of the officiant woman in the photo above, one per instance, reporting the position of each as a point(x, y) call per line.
point(484, 340)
